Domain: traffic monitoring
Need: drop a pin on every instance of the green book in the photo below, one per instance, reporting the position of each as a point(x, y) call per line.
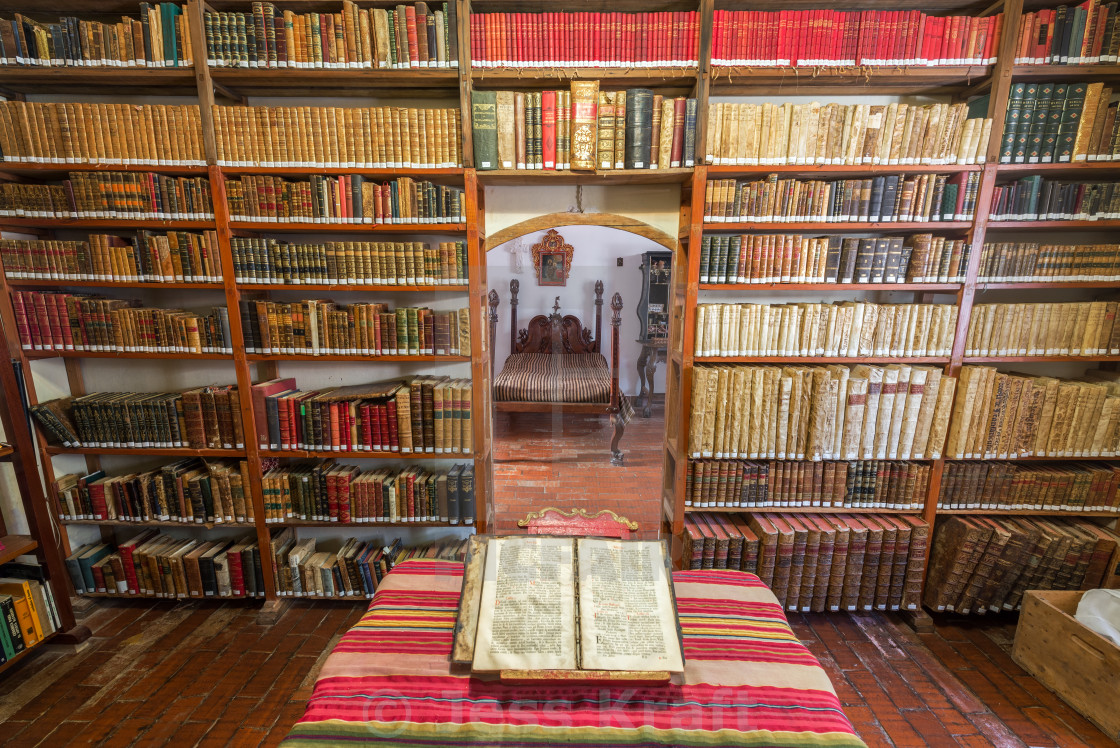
point(1023, 126)
point(1053, 122)
point(484, 127)
point(721, 260)
point(705, 257)
point(1071, 119)
point(1011, 122)
point(1039, 117)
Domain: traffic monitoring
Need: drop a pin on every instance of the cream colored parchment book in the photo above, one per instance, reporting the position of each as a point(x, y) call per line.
point(562, 603)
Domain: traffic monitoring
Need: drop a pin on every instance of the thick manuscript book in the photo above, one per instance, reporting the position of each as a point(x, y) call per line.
point(540, 603)
point(584, 128)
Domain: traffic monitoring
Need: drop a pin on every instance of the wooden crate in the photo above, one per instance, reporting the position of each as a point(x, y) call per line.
point(1074, 662)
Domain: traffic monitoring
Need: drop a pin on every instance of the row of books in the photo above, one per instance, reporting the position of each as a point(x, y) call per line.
point(150, 564)
point(836, 38)
point(315, 327)
point(917, 197)
point(985, 564)
point(585, 39)
point(1086, 328)
point(1034, 198)
point(1009, 486)
point(268, 261)
point(384, 137)
point(850, 328)
point(412, 415)
point(631, 129)
point(1005, 416)
point(412, 36)
point(28, 611)
point(342, 199)
point(877, 484)
point(330, 492)
point(149, 257)
point(1059, 123)
point(191, 491)
point(199, 418)
point(817, 562)
point(1024, 262)
point(1084, 34)
point(853, 134)
point(796, 258)
point(159, 37)
point(355, 569)
point(83, 133)
point(111, 194)
point(49, 321)
point(819, 412)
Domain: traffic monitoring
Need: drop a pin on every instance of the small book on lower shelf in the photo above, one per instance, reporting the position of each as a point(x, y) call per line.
point(565, 608)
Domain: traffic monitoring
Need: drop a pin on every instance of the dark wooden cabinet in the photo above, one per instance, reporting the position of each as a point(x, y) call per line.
point(653, 315)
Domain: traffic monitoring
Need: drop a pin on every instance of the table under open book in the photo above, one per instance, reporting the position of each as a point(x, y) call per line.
point(746, 680)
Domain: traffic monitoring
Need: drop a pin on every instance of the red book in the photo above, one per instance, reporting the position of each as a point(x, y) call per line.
point(678, 132)
point(548, 128)
point(997, 31)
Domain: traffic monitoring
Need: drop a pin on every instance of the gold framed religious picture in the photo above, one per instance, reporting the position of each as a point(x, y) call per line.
point(552, 260)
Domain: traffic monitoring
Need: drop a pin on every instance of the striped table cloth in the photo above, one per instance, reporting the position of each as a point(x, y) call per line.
point(545, 378)
point(748, 681)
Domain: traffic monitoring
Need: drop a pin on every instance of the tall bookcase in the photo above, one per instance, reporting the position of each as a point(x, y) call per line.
point(212, 86)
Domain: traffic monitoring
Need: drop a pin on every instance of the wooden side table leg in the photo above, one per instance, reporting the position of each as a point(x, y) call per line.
point(645, 395)
point(651, 369)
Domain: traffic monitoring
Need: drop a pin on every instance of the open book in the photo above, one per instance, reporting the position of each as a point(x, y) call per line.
point(538, 602)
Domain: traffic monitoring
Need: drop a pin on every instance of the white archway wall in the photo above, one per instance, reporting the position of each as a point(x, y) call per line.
point(657, 205)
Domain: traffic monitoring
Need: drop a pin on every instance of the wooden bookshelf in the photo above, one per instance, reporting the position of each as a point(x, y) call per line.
point(828, 287)
point(799, 510)
point(822, 359)
point(847, 227)
point(1030, 512)
point(15, 545)
point(152, 355)
point(91, 283)
point(360, 287)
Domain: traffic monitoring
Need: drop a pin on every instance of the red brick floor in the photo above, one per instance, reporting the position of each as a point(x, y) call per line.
point(541, 460)
point(208, 674)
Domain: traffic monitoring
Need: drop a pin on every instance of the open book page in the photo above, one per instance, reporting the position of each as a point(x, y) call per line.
point(527, 617)
point(627, 617)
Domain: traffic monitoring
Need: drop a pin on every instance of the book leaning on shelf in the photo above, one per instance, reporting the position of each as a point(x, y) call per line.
point(267, 261)
point(1025, 262)
point(28, 613)
point(874, 484)
point(153, 565)
point(329, 492)
point(158, 38)
point(342, 199)
point(364, 137)
point(323, 328)
point(1036, 199)
point(1009, 486)
point(815, 562)
point(1006, 416)
point(200, 418)
point(83, 133)
point(985, 564)
point(356, 568)
point(191, 491)
point(1085, 34)
point(1059, 123)
point(76, 322)
point(851, 328)
point(414, 415)
point(835, 38)
point(174, 257)
point(855, 134)
point(819, 412)
point(413, 36)
point(585, 39)
point(1086, 328)
point(917, 197)
point(111, 194)
point(796, 258)
point(583, 128)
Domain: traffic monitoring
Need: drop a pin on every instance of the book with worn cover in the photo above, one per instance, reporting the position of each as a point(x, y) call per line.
point(544, 603)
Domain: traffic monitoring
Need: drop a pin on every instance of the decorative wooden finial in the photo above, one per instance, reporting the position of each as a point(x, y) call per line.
point(556, 306)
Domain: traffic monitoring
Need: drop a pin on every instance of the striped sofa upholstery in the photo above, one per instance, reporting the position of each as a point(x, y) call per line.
point(548, 378)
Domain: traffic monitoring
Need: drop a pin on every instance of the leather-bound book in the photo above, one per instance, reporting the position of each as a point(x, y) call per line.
point(768, 546)
point(639, 127)
point(584, 127)
point(856, 558)
point(484, 125)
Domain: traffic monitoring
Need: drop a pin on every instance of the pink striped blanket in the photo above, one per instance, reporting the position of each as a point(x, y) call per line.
point(748, 680)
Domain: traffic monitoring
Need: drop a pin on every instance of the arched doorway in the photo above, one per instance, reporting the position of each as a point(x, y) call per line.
point(563, 459)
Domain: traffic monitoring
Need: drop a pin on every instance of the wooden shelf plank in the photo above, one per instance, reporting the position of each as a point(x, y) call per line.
point(940, 360)
point(407, 83)
point(439, 174)
point(54, 449)
point(847, 227)
point(92, 283)
point(360, 228)
point(34, 355)
point(16, 545)
point(104, 223)
point(156, 523)
point(364, 358)
point(127, 596)
point(837, 170)
point(1102, 225)
point(1029, 512)
point(910, 287)
point(800, 510)
point(609, 78)
point(1084, 168)
point(607, 176)
point(757, 81)
point(28, 79)
point(306, 454)
point(1031, 459)
point(364, 525)
point(50, 170)
point(1016, 286)
point(1036, 359)
point(1065, 72)
point(365, 287)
